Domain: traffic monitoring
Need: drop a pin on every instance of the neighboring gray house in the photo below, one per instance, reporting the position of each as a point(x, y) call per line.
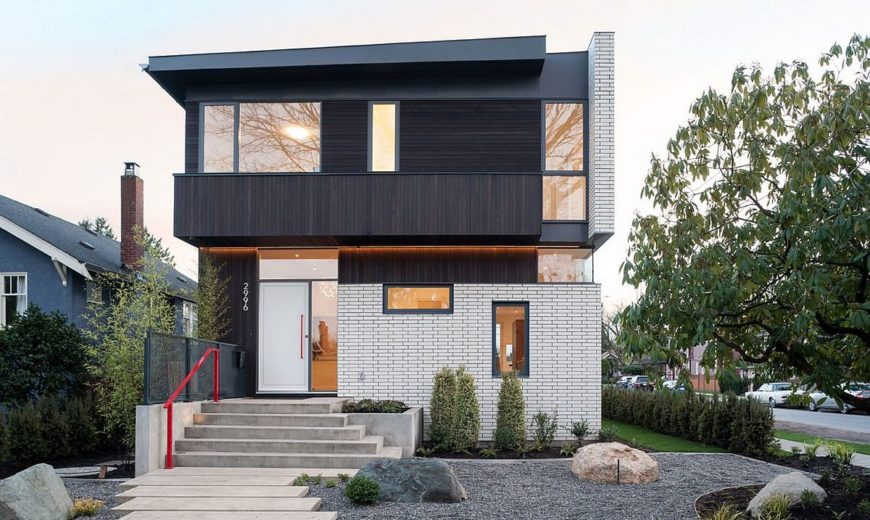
point(55, 264)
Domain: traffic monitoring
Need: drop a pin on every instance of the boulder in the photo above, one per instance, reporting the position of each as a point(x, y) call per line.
point(36, 493)
point(597, 462)
point(415, 480)
point(790, 485)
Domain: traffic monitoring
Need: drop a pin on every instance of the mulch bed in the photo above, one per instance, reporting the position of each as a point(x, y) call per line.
point(839, 501)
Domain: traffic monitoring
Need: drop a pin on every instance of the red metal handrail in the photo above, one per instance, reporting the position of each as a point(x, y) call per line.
point(171, 400)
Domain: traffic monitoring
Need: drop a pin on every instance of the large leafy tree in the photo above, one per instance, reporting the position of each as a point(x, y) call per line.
point(760, 243)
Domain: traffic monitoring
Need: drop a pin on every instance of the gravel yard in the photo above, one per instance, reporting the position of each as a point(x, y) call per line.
point(101, 490)
point(546, 489)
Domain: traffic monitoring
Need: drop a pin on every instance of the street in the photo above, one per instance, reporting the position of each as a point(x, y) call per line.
point(853, 427)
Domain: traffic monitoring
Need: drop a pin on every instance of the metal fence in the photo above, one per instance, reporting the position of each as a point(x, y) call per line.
point(169, 358)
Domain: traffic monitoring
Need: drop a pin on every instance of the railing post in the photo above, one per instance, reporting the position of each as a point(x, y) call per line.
point(186, 367)
point(169, 464)
point(146, 397)
point(217, 373)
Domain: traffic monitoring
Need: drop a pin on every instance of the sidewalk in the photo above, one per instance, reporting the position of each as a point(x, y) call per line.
point(858, 459)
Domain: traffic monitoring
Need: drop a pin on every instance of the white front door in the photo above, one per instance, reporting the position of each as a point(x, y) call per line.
point(284, 350)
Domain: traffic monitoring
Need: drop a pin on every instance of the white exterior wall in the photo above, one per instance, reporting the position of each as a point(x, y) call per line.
point(601, 137)
point(395, 356)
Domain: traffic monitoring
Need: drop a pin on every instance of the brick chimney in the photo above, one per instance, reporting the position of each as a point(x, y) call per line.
point(132, 215)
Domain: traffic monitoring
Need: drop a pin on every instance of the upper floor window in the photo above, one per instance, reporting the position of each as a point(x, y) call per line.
point(564, 197)
point(13, 296)
point(563, 146)
point(383, 137)
point(261, 137)
point(188, 318)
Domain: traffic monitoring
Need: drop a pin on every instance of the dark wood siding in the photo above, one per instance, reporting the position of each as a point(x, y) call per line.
point(293, 209)
point(239, 268)
point(191, 137)
point(441, 264)
point(344, 136)
point(470, 136)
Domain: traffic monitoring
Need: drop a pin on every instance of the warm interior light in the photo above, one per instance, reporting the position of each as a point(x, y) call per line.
point(297, 132)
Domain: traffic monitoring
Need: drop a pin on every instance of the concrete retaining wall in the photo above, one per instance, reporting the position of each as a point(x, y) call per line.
point(151, 432)
point(404, 430)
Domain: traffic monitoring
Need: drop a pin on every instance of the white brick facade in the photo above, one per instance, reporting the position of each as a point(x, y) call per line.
point(395, 356)
point(601, 136)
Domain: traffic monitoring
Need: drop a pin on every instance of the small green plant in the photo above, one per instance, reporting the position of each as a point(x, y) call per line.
point(811, 450)
point(825, 477)
point(545, 429)
point(488, 453)
point(808, 499)
point(318, 479)
point(343, 477)
point(633, 443)
point(522, 450)
point(607, 434)
point(362, 490)
point(85, 507)
point(775, 508)
point(852, 485)
point(302, 480)
point(330, 483)
point(795, 450)
point(510, 424)
point(568, 450)
point(725, 512)
point(864, 508)
point(579, 429)
point(840, 454)
point(423, 451)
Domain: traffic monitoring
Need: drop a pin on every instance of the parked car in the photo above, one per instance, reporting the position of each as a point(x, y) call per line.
point(623, 382)
point(820, 401)
point(639, 383)
point(774, 394)
point(669, 384)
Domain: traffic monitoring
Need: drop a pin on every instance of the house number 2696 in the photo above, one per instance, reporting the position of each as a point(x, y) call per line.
point(245, 296)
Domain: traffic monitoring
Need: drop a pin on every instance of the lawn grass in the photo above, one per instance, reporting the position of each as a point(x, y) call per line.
point(809, 439)
point(656, 441)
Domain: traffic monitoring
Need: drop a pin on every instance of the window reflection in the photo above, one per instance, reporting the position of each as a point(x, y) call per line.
point(219, 123)
point(279, 137)
point(564, 265)
point(511, 349)
point(420, 299)
point(564, 197)
point(564, 137)
point(383, 135)
point(324, 336)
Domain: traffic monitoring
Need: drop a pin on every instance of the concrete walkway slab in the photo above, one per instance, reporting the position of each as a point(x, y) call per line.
point(217, 515)
point(219, 504)
point(214, 491)
point(207, 480)
point(251, 472)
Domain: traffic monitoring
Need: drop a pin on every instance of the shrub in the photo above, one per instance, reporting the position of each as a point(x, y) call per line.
point(852, 486)
point(372, 406)
point(545, 429)
point(303, 479)
point(725, 512)
point(488, 453)
point(510, 424)
point(81, 416)
point(775, 508)
point(24, 437)
point(808, 499)
point(825, 477)
point(579, 429)
point(441, 407)
point(568, 450)
point(465, 429)
point(729, 381)
point(330, 483)
point(840, 454)
point(864, 508)
point(85, 507)
point(40, 355)
point(55, 428)
point(607, 434)
point(343, 477)
point(362, 490)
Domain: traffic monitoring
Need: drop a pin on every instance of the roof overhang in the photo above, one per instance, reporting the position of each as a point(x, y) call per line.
point(520, 55)
point(56, 255)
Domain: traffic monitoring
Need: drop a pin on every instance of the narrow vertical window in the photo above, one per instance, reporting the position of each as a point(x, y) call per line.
point(564, 137)
point(218, 138)
point(510, 338)
point(383, 137)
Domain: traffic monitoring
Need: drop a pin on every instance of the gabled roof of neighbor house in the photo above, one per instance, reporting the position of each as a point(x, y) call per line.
point(73, 246)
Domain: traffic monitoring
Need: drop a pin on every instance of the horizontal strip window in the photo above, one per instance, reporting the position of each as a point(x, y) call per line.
point(418, 299)
point(510, 338)
point(565, 265)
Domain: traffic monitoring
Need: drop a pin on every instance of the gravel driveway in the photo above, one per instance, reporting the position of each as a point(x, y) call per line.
point(544, 489)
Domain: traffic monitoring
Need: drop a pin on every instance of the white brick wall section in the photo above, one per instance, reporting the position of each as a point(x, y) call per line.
point(601, 135)
point(395, 356)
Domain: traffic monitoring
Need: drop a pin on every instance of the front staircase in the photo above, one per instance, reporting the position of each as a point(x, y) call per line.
point(306, 433)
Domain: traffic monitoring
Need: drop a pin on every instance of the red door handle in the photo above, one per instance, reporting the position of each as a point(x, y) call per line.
point(301, 333)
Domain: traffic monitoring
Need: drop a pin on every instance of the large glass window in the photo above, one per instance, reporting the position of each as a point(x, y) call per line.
point(419, 299)
point(218, 138)
point(564, 137)
point(510, 338)
point(564, 197)
point(13, 296)
point(279, 137)
point(564, 265)
point(383, 137)
point(324, 336)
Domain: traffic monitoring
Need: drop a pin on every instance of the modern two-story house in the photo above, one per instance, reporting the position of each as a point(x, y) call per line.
point(385, 210)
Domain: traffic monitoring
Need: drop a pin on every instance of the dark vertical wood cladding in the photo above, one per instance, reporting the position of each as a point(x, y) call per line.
point(239, 268)
point(470, 136)
point(191, 137)
point(358, 209)
point(344, 136)
point(438, 265)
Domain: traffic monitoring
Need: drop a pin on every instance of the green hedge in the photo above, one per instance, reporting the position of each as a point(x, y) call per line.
point(737, 425)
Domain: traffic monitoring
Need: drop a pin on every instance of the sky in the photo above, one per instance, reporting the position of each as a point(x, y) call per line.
point(76, 105)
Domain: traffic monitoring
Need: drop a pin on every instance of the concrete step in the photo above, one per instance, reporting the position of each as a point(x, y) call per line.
point(228, 479)
point(329, 420)
point(248, 406)
point(218, 504)
point(344, 433)
point(255, 472)
point(283, 460)
point(219, 515)
point(371, 444)
point(213, 491)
